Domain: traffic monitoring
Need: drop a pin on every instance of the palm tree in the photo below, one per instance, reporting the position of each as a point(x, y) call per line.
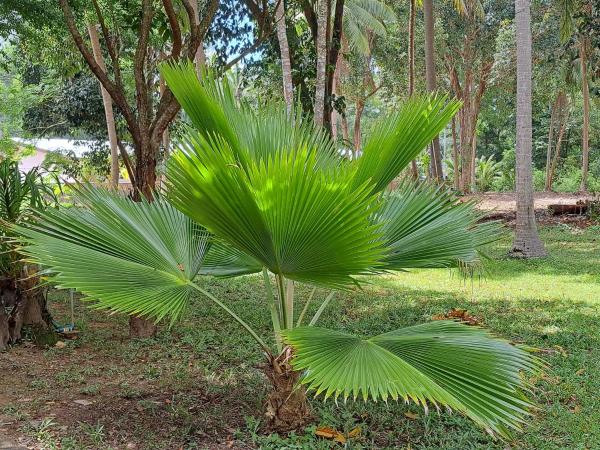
point(569, 25)
point(323, 8)
point(21, 303)
point(527, 243)
point(264, 191)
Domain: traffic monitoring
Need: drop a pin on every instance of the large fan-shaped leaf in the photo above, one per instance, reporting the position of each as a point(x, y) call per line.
point(397, 140)
point(425, 226)
point(288, 212)
point(443, 363)
point(136, 258)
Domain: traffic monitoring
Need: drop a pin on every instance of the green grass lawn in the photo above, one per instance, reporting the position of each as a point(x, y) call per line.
point(200, 385)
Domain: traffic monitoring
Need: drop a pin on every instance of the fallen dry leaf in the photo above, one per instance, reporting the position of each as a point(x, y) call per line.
point(458, 314)
point(411, 415)
point(331, 433)
point(580, 371)
point(354, 433)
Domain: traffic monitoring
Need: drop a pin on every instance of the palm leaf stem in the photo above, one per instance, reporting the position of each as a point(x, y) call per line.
point(321, 308)
point(237, 318)
point(303, 313)
point(286, 302)
point(273, 308)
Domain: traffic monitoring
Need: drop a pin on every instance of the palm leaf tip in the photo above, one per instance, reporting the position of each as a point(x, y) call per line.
point(441, 363)
point(135, 258)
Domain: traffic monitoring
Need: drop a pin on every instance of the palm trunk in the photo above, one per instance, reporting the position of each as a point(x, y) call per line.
point(430, 75)
point(411, 68)
point(585, 132)
point(321, 49)
point(287, 406)
point(527, 243)
point(286, 63)
point(108, 111)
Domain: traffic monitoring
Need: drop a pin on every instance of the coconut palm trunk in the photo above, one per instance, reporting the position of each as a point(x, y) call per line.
point(527, 243)
point(284, 49)
point(411, 68)
point(108, 110)
point(321, 78)
point(585, 132)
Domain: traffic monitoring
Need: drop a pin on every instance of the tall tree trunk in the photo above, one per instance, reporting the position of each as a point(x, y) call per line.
point(145, 177)
point(411, 68)
point(430, 75)
point(320, 82)
point(286, 63)
point(527, 243)
point(585, 132)
point(547, 182)
point(360, 107)
point(108, 110)
point(200, 56)
point(455, 157)
point(556, 157)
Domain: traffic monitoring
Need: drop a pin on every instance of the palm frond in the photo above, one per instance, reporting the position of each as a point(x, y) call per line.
point(136, 258)
point(251, 133)
point(440, 363)
point(397, 140)
point(288, 212)
point(425, 226)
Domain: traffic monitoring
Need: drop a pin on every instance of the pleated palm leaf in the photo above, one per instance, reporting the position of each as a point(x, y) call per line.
point(257, 190)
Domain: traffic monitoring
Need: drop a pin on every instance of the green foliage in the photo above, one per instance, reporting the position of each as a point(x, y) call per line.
point(486, 172)
point(411, 364)
point(276, 196)
point(21, 194)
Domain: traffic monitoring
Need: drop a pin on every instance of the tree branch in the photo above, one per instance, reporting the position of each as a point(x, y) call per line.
point(175, 29)
point(116, 94)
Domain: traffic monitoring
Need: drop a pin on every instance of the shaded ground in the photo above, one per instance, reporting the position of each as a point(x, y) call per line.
point(199, 385)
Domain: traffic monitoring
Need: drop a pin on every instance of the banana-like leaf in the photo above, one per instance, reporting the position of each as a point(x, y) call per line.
point(397, 140)
point(425, 226)
point(136, 258)
point(441, 363)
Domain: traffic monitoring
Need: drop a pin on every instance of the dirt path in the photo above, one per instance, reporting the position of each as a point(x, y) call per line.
point(506, 202)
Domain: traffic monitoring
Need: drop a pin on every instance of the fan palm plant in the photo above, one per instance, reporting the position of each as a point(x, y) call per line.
point(259, 191)
point(20, 194)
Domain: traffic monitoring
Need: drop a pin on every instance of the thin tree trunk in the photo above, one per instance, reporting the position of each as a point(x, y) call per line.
point(548, 182)
point(556, 157)
point(360, 107)
point(108, 110)
point(286, 63)
point(430, 75)
point(527, 243)
point(321, 48)
point(455, 157)
point(585, 132)
point(200, 56)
